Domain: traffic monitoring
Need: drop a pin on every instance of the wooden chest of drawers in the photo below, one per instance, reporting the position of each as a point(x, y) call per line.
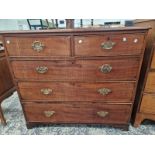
point(6, 81)
point(77, 75)
point(146, 97)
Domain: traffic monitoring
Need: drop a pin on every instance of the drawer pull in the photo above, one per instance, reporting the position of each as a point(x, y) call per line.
point(42, 69)
point(102, 113)
point(105, 68)
point(104, 91)
point(46, 91)
point(38, 46)
point(108, 45)
point(1, 46)
point(49, 113)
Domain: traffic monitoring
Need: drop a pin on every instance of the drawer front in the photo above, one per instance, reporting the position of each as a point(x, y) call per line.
point(153, 61)
point(85, 70)
point(77, 113)
point(148, 104)
point(112, 45)
point(38, 46)
point(150, 83)
point(63, 91)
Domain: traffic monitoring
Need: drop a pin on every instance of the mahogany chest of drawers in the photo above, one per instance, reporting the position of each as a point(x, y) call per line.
point(76, 75)
point(6, 81)
point(146, 94)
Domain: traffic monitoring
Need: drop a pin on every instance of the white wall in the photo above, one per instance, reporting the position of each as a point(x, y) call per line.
point(13, 24)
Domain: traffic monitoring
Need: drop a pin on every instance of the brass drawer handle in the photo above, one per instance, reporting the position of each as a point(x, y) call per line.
point(38, 46)
point(1, 46)
point(107, 45)
point(104, 91)
point(49, 113)
point(106, 68)
point(41, 69)
point(102, 113)
point(46, 91)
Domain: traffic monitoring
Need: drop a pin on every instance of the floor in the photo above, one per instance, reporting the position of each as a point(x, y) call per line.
point(16, 125)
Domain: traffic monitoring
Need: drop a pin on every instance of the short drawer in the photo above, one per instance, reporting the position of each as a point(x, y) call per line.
point(85, 70)
point(153, 61)
point(77, 113)
point(148, 104)
point(150, 83)
point(71, 91)
point(108, 45)
point(38, 46)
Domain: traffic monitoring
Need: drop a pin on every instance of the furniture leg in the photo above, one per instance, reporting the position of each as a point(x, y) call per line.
point(138, 120)
point(2, 116)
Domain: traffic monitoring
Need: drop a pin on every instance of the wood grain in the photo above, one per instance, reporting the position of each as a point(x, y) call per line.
point(148, 104)
point(74, 58)
point(150, 83)
point(140, 117)
point(77, 91)
point(82, 70)
point(79, 30)
point(54, 46)
point(5, 77)
point(77, 113)
point(153, 61)
point(91, 45)
point(6, 82)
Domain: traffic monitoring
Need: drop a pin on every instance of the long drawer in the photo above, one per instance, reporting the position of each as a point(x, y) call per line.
point(85, 70)
point(108, 45)
point(77, 113)
point(77, 91)
point(148, 104)
point(38, 46)
point(150, 83)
